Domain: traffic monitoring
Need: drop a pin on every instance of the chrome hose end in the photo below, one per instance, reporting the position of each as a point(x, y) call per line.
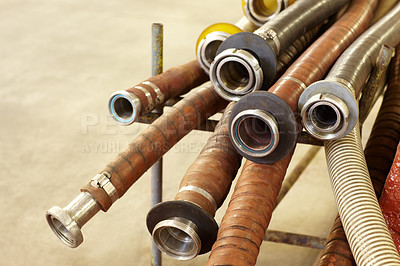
point(178, 238)
point(260, 12)
point(181, 229)
point(328, 110)
point(255, 132)
point(125, 107)
point(263, 128)
point(66, 223)
point(235, 73)
point(208, 47)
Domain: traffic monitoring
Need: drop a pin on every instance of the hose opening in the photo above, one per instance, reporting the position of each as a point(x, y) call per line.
point(234, 75)
point(325, 117)
point(61, 231)
point(123, 108)
point(255, 133)
point(178, 238)
point(210, 51)
point(263, 8)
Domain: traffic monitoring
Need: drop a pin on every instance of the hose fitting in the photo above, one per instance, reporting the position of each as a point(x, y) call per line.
point(125, 107)
point(235, 72)
point(66, 223)
point(261, 11)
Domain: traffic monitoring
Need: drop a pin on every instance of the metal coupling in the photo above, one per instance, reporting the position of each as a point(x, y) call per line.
point(67, 222)
point(235, 73)
point(208, 47)
point(328, 110)
point(255, 132)
point(260, 11)
point(125, 107)
point(178, 238)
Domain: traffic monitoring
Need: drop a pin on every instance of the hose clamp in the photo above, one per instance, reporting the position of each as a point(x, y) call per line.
point(103, 181)
point(270, 34)
point(150, 106)
point(202, 192)
point(160, 96)
point(301, 83)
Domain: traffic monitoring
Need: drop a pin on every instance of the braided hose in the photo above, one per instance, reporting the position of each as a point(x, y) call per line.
point(121, 173)
point(243, 226)
point(379, 153)
point(329, 108)
point(362, 219)
point(247, 62)
point(280, 102)
point(126, 106)
point(203, 188)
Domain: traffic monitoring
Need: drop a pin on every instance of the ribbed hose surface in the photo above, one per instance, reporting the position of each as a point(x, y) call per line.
point(355, 64)
point(362, 219)
point(243, 226)
point(213, 170)
point(177, 80)
point(294, 20)
point(319, 57)
point(156, 140)
point(379, 153)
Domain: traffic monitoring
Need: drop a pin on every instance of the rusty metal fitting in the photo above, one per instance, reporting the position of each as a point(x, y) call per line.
point(259, 11)
point(234, 73)
point(67, 222)
point(263, 127)
point(125, 107)
point(181, 229)
point(328, 110)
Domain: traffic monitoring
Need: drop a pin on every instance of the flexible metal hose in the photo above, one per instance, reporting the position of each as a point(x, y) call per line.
point(121, 173)
point(247, 62)
point(126, 106)
point(249, 212)
point(362, 219)
point(205, 186)
point(329, 108)
point(311, 66)
point(379, 153)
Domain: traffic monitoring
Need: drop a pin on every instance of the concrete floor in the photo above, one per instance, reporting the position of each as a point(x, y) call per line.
point(59, 62)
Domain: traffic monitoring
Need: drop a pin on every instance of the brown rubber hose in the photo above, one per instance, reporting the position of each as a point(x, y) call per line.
point(319, 57)
point(390, 200)
point(156, 140)
point(213, 170)
point(249, 212)
point(379, 153)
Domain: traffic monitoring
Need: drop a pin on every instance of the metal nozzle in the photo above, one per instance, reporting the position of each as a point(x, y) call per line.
point(66, 223)
point(255, 132)
point(125, 107)
point(208, 47)
point(261, 11)
point(178, 238)
point(325, 116)
point(235, 73)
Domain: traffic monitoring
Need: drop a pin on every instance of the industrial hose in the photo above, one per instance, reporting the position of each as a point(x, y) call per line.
point(202, 191)
point(260, 12)
point(329, 108)
point(247, 62)
point(126, 106)
point(243, 226)
point(379, 153)
point(275, 111)
point(119, 175)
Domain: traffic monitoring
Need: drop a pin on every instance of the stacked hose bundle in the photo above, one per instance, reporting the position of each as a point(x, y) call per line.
point(249, 212)
point(379, 153)
point(120, 174)
point(202, 191)
point(126, 106)
point(247, 62)
point(276, 110)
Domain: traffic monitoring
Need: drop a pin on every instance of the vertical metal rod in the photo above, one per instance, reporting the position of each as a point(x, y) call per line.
point(156, 170)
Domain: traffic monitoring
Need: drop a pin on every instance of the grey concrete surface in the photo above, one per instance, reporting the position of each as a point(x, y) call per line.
point(59, 62)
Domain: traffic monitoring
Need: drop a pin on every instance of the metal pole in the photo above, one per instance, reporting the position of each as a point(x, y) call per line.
point(156, 170)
